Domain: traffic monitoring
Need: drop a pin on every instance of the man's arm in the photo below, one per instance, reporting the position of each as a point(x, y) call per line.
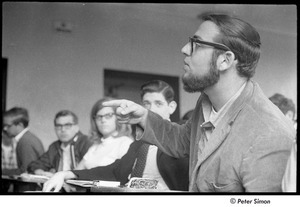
point(43, 163)
point(171, 138)
point(128, 111)
point(117, 171)
point(98, 173)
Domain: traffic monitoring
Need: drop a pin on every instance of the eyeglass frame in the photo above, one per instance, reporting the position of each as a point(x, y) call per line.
point(65, 126)
point(212, 44)
point(106, 116)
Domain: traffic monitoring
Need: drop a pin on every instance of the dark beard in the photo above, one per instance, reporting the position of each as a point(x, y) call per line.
point(193, 83)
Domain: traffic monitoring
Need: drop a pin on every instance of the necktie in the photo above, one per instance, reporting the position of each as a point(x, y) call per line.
point(141, 161)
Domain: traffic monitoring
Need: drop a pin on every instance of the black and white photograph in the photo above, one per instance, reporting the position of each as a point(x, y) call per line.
point(175, 99)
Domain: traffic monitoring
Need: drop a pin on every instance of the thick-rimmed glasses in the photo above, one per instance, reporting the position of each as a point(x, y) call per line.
point(105, 116)
point(65, 126)
point(195, 41)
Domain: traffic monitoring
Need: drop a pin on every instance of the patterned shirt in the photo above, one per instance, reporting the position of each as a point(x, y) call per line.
point(9, 157)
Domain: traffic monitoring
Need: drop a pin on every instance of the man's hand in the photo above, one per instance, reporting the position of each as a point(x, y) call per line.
point(56, 182)
point(128, 111)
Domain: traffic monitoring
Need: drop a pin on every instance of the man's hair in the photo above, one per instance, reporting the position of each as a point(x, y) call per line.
point(63, 113)
point(19, 114)
point(158, 86)
point(283, 103)
point(242, 38)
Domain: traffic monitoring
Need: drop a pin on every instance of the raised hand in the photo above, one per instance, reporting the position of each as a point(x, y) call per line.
point(128, 111)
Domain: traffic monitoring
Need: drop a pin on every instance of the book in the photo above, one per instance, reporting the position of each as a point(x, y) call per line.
point(82, 183)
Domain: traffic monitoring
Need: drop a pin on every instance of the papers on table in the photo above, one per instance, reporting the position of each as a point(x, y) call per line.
point(82, 183)
point(33, 178)
point(94, 183)
point(142, 183)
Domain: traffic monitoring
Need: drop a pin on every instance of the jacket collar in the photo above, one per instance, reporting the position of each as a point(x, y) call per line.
point(221, 132)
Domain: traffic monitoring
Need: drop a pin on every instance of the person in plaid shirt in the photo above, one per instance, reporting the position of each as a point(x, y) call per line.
point(8, 149)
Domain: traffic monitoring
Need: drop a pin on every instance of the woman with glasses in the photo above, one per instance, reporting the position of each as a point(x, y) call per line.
point(112, 139)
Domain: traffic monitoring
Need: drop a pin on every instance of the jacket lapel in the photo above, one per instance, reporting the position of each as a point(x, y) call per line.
point(222, 130)
point(216, 139)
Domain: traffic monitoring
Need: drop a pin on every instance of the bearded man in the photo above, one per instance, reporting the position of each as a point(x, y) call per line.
point(237, 139)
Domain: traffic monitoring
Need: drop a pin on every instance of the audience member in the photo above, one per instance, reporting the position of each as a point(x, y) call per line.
point(8, 149)
point(8, 159)
point(29, 147)
point(112, 139)
point(67, 151)
point(171, 173)
point(237, 140)
point(286, 105)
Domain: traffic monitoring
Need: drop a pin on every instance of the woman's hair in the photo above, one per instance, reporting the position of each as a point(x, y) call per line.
point(158, 86)
point(242, 38)
point(123, 129)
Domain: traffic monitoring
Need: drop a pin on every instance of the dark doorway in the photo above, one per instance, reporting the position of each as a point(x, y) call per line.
point(127, 85)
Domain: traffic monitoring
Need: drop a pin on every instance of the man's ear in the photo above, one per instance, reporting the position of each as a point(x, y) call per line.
point(226, 60)
point(172, 107)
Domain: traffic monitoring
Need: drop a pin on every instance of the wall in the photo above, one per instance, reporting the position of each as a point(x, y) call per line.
point(49, 70)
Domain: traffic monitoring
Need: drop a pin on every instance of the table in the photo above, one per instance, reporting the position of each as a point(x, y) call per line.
point(112, 187)
point(130, 190)
point(21, 183)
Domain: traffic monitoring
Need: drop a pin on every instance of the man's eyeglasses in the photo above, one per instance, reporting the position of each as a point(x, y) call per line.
point(65, 126)
point(195, 41)
point(105, 116)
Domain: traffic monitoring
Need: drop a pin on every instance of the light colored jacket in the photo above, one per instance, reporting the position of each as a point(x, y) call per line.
point(247, 151)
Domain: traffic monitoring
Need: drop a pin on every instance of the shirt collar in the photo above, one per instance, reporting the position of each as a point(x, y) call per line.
point(211, 117)
point(64, 148)
point(20, 135)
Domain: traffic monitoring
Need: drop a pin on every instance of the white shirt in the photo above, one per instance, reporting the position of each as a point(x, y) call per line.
point(65, 160)
point(151, 170)
point(9, 157)
point(105, 153)
point(20, 135)
point(212, 117)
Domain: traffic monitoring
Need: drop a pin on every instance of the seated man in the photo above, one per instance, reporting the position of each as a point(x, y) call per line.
point(8, 149)
point(29, 147)
point(172, 173)
point(67, 151)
